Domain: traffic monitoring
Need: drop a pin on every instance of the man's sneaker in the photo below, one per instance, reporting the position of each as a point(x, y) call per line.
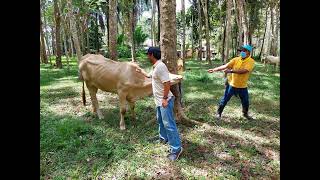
point(218, 116)
point(174, 156)
point(247, 117)
point(157, 140)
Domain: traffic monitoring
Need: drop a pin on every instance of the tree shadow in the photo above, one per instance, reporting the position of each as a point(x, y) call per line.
point(54, 96)
point(228, 156)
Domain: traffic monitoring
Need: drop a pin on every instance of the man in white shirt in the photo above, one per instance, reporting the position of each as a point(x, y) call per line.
point(164, 100)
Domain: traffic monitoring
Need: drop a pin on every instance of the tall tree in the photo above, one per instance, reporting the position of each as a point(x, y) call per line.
point(183, 38)
point(277, 29)
point(44, 58)
point(133, 17)
point(168, 35)
point(129, 8)
point(58, 35)
point(267, 45)
point(200, 31)
point(264, 34)
point(206, 19)
point(113, 29)
point(274, 28)
point(153, 21)
point(158, 6)
point(228, 32)
point(73, 28)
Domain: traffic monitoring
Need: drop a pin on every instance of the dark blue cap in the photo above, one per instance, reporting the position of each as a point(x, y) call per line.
point(153, 50)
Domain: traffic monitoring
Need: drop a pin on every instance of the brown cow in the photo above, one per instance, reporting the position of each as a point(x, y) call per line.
point(107, 75)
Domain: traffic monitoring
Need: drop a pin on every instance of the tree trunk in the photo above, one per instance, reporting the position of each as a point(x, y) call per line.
point(183, 49)
point(105, 9)
point(58, 35)
point(132, 23)
point(158, 6)
point(44, 57)
point(224, 42)
point(200, 31)
point(277, 42)
point(239, 23)
point(53, 41)
point(74, 31)
point(273, 32)
point(192, 39)
point(87, 31)
point(228, 32)
point(47, 39)
point(245, 22)
point(205, 11)
point(82, 35)
point(153, 19)
point(268, 35)
point(65, 49)
point(168, 36)
point(113, 30)
point(96, 34)
point(264, 34)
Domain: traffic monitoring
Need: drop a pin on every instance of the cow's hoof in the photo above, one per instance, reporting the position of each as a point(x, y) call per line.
point(122, 128)
point(101, 117)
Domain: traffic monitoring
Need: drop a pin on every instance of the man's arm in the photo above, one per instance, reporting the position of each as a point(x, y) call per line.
point(166, 86)
point(246, 69)
point(238, 71)
point(139, 70)
point(220, 68)
point(165, 93)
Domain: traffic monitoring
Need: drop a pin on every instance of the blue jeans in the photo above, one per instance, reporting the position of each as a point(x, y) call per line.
point(167, 126)
point(229, 92)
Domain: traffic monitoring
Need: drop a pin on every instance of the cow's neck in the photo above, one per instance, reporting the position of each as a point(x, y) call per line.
point(145, 89)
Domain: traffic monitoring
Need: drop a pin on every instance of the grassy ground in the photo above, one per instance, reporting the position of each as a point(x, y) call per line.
point(74, 144)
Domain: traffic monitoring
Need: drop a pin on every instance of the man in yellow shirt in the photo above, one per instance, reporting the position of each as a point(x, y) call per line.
point(240, 69)
point(180, 72)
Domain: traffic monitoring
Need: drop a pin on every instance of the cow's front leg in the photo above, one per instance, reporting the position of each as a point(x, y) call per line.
point(123, 100)
point(95, 105)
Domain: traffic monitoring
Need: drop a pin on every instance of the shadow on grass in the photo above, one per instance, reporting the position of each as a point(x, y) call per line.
point(53, 96)
point(49, 75)
point(229, 155)
point(68, 143)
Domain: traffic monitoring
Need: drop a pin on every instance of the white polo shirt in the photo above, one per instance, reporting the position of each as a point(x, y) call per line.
point(159, 75)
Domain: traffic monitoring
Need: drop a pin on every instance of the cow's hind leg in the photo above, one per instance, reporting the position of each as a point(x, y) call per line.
point(122, 98)
point(95, 105)
point(132, 106)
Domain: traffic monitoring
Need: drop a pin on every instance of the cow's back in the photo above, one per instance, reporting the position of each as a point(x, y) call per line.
point(273, 59)
point(109, 75)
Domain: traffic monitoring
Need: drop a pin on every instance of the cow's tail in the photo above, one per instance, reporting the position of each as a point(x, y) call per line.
point(83, 94)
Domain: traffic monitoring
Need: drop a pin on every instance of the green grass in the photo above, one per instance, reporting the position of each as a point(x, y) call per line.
point(75, 144)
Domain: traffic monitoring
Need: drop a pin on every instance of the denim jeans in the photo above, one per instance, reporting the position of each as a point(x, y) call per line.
point(241, 92)
point(167, 126)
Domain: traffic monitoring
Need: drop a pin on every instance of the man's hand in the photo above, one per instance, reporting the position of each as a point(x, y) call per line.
point(211, 70)
point(138, 70)
point(164, 103)
point(141, 71)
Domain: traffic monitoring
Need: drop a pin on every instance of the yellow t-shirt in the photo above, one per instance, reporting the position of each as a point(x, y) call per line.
point(240, 80)
point(180, 63)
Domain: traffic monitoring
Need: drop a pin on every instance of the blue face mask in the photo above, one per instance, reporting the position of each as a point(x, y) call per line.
point(243, 54)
